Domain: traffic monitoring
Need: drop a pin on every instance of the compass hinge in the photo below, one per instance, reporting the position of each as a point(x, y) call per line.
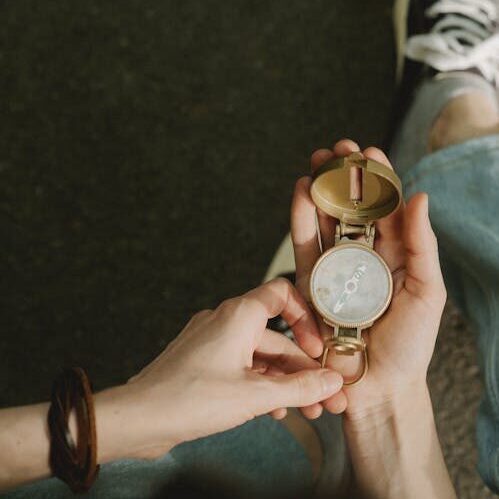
point(344, 229)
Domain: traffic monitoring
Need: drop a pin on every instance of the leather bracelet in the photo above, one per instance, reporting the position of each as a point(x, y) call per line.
point(74, 464)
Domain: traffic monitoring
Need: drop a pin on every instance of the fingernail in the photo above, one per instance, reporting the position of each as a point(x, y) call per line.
point(331, 381)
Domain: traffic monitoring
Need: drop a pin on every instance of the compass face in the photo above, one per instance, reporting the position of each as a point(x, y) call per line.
point(351, 285)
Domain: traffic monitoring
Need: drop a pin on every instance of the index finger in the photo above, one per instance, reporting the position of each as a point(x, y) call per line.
point(280, 297)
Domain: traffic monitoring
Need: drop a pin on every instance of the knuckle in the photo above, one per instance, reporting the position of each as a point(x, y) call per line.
point(229, 307)
point(281, 282)
point(202, 314)
point(302, 184)
point(224, 306)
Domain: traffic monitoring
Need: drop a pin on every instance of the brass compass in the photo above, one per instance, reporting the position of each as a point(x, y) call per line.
point(351, 285)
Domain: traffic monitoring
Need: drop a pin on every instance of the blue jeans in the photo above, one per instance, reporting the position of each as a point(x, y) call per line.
point(261, 458)
point(463, 184)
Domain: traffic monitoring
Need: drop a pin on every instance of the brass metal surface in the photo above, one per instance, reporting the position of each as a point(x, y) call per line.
point(365, 366)
point(331, 190)
point(357, 191)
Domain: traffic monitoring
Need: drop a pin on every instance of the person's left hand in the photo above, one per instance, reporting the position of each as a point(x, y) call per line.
point(401, 342)
point(225, 368)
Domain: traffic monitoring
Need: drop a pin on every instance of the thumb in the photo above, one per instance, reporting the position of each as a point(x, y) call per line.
point(422, 265)
point(299, 389)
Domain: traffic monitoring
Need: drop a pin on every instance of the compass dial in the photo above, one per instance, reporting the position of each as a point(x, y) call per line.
point(351, 285)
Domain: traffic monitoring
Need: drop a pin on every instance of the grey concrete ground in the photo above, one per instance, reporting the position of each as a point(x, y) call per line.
point(148, 152)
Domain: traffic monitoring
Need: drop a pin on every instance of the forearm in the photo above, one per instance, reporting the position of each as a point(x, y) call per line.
point(25, 440)
point(395, 450)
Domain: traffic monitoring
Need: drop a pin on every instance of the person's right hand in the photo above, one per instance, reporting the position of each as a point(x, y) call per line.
point(400, 344)
point(225, 368)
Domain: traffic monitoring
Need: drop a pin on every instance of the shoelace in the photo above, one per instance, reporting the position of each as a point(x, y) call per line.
point(462, 39)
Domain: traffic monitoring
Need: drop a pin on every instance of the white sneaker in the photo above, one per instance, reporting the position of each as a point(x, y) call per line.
point(462, 36)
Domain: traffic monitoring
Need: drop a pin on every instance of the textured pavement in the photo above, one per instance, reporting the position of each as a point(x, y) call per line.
point(148, 152)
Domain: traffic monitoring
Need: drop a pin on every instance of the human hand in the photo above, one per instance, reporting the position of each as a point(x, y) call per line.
point(226, 368)
point(400, 344)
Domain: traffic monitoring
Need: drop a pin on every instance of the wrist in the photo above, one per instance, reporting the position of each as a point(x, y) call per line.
point(126, 427)
point(380, 410)
point(395, 449)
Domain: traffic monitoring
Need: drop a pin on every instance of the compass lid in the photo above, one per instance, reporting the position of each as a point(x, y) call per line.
point(356, 190)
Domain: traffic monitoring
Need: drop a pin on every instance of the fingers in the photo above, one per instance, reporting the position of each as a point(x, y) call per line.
point(336, 404)
point(279, 414)
point(279, 351)
point(312, 411)
point(377, 155)
point(304, 233)
point(319, 157)
point(296, 390)
point(263, 367)
point(278, 355)
point(423, 276)
point(281, 297)
point(345, 147)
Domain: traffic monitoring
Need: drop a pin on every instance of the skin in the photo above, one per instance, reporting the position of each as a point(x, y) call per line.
point(229, 359)
point(467, 116)
point(225, 368)
point(401, 342)
point(393, 395)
